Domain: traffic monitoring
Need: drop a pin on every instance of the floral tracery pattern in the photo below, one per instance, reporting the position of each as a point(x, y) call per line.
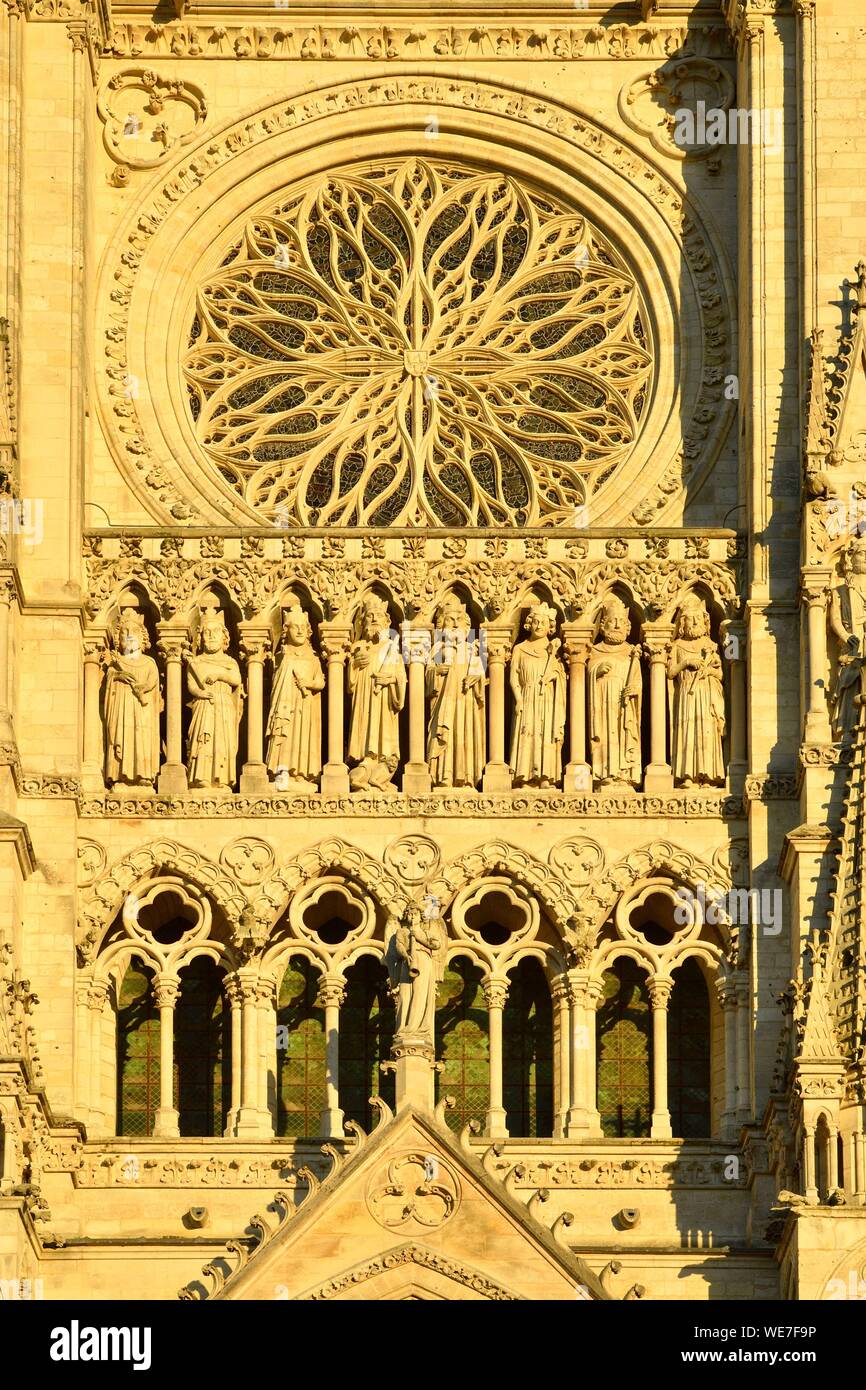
point(418, 344)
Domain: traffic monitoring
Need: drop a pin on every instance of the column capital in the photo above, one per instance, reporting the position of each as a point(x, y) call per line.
point(166, 989)
point(560, 989)
point(726, 989)
point(656, 638)
point(255, 642)
point(172, 641)
point(499, 643)
point(659, 991)
point(331, 991)
point(417, 643)
point(335, 639)
point(94, 644)
point(577, 640)
point(8, 590)
point(495, 991)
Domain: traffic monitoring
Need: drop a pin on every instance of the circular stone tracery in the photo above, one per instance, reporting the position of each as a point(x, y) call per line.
point(418, 343)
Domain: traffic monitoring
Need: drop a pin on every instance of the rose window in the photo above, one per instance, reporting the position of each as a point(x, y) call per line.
point(422, 345)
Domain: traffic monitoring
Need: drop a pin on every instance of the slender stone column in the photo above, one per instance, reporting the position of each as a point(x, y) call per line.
point(256, 647)
point(166, 991)
point(98, 1122)
point(734, 648)
point(416, 774)
point(249, 1125)
point(810, 1190)
point(232, 991)
point(583, 1118)
point(335, 647)
point(497, 775)
point(7, 598)
point(594, 996)
point(495, 993)
point(744, 1032)
point(832, 1159)
point(727, 993)
point(332, 992)
point(93, 760)
point(561, 992)
point(816, 590)
point(267, 1071)
point(859, 1166)
point(578, 774)
point(86, 1070)
point(660, 993)
point(173, 645)
point(658, 777)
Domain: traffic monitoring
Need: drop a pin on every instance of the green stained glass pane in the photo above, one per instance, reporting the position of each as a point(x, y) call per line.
point(624, 1053)
point(462, 1043)
point(137, 1053)
point(301, 1062)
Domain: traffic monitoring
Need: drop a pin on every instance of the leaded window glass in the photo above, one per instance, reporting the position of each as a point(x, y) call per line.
point(689, 1053)
point(202, 1050)
point(300, 1052)
point(462, 1043)
point(137, 1053)
point(624, 1053)
point(527, 1048)
point(366, 1032)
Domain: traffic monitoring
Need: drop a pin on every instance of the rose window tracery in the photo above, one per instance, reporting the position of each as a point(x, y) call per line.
point(414, 343)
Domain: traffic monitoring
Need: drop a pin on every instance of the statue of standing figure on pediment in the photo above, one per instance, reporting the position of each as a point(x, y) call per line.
point(697, 699)
point(538, 687)
point(214, 683)
point(132, 706)
point(455, 684)
point(615, 694)
point(415, 957)
point(295, 719)
point(848, 625)
point(377, 685)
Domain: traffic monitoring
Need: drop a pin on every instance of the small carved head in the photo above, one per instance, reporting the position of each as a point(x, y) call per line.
point(613, 620)
point(452, 615)
point(131, 634)
point(214, 636)
point(375, 616)
point(693, 620)
point(540, 621)
point(855, 556)
point(296, 626)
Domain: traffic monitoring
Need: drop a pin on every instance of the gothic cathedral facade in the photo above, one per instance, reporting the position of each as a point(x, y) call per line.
point(432, 637)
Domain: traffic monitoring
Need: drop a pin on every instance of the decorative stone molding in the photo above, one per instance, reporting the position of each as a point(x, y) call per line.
point(291, 39)
point(146, 118)
point(678, 805)
point(413, 858)
point(406, 1195)
point(648, 104)
point(409, 1256)
point(780, 786)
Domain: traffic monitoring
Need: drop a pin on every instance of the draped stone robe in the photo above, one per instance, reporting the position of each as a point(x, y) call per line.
point(132, 720)
point(697, 712)
point(455, 736)
point(374, 730)
point(615, 712)
point(295, 719)
point(538, 684)
point(212, 746)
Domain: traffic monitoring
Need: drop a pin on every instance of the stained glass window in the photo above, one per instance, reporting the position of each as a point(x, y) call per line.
point(366, 1033)
point(462, 1043)
point(137, 1053)
point(689, 1054)
point(202, 1050)
point(412, 338)
point(527, 1048)
point(624, 1056)
point(301, 1061)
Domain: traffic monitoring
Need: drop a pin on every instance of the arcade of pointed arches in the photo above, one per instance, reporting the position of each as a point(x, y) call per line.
point(205, 1025)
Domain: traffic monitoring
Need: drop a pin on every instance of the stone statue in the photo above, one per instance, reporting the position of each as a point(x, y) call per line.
point(615, 695)
point(214, 682)
point(295, 719)
point(848, 625)
point(132, 706)
point(538, 687)
point(697, 699)
point(455, 685)
point(416, 961)
point(377, 684)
